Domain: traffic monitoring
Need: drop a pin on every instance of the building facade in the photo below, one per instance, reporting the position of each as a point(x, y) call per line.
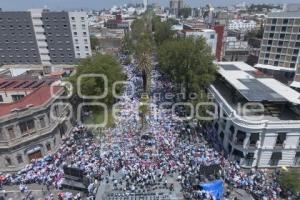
point(242, 25)
point(29, 130)
point(280, 48)
point(41, 37)
point(175, 6)
point(262, 138)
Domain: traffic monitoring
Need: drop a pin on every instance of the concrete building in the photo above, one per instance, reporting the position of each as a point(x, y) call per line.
point(280, 48)
point(29, 131)
point(268, 137)
point(175, 6)
point(242, 25)
point(41, 37)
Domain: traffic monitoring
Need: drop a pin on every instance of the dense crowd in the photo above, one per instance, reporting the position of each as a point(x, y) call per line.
point(130, 159)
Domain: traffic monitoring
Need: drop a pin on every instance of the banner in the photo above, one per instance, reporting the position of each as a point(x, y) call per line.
point(215, 188)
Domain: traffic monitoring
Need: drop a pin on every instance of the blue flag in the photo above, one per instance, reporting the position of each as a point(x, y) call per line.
point(215, 188)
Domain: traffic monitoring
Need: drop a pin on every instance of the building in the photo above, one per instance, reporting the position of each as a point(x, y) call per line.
point(41, 37)
point(175, 6)
point(242, 25)
point(117, 24)
point(28, 129)
point(14, 89)
point(280, 47)
point(209, 35)
point(236, 50)
point(219, 29)
point(266, 133)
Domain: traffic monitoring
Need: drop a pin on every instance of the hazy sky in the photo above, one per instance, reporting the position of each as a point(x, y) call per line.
point(98, 4)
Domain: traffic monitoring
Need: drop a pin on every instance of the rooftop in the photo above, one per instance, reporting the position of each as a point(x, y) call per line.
point(284, 14)
point(24, 83)
point(254, 86)
point(34, 99)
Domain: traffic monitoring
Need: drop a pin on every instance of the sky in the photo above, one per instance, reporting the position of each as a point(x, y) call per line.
point(99, 4)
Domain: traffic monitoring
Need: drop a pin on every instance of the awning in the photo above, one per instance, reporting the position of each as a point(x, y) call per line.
point(254, 136)
point(276, 156)
point(238, 153)
point(297, 154)
point(295, 84)
point(250, 155)
point(34, 150)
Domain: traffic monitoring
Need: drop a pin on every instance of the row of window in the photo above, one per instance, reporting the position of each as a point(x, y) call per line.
point(76, 34)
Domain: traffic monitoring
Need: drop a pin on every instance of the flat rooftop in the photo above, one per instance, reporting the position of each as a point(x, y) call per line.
point(254, 86)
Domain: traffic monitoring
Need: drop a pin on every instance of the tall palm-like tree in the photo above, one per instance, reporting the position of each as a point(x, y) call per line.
point(144, 65)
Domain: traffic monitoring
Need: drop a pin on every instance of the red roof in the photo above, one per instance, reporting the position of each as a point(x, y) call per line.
point(34, 99)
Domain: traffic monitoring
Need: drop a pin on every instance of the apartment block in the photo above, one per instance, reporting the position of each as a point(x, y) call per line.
point(42, 37)
point(280, 48)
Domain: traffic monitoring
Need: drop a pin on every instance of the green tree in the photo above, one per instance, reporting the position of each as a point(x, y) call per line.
point(143, 55)
point(93, 86)
point(163, 32)
point(95, 43)
point(188, 62)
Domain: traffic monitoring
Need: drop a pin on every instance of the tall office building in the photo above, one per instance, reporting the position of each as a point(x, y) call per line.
point(175, 6)
point(41, 37)
point(145, 2)
point(280, 48)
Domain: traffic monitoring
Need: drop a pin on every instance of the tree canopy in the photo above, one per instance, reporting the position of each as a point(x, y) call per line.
point(188, 62)
point(163, 32)
point(93, 86)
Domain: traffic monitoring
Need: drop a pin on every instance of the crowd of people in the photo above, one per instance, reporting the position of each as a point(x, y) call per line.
point(132, 158)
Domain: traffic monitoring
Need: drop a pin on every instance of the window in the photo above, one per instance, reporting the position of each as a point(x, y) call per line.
point(271, 35)
point(296, 51)
point(268, 48)
point(48, 146)
point(27, 127)
point(280, 43)
point(75, 33)
point(1, 98)
point(280, 139)
point(82, 18)
point(272, 28)
point(282, 36)
point(283, 29)
point(212, 36)
point(11, 132)
point(276, 63)
point(84, 34)
point(42, 122)
point(73, 18)
point(270, 42)
point(292, 65)
point(265, 62)
point(17, 97)
point(277, 56)
point(285, 21)
point(298, 37)
point(19, 159)
point(297, 44)
point(267, 55)
point(8, 161)
point(279, 50)
point(294, 58)
point(274, 21)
